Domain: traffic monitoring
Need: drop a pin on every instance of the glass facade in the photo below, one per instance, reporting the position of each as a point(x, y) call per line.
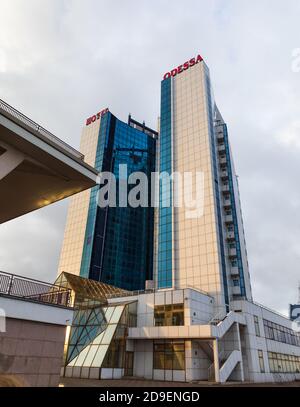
point(95, 344)
point(169, 315)
point(118, 247)
point(164, 267)
point(281, 363)
point(97, 336)
point(102, 146)
point(169, 354)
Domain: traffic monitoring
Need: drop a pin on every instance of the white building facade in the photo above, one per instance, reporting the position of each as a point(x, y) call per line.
point(174, 335)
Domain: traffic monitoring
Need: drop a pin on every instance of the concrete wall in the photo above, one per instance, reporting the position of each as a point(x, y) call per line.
point(32, 351)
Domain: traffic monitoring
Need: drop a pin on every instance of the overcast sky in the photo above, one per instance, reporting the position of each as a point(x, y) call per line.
point(61, 61)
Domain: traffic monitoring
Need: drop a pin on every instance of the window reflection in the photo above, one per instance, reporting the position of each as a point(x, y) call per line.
point(169, 315)
point(169, 355)
point(280, 363)
point(281, 333)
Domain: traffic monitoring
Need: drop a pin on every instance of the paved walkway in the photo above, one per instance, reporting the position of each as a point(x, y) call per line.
point(67, 382)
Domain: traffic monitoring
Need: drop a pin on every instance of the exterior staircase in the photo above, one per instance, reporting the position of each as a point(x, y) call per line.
point(228, 366)
point(229, 362)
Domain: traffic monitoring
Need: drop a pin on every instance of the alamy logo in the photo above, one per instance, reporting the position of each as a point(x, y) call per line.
point(181, 190)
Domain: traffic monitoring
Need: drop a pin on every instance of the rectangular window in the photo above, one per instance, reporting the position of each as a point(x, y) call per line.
point(261, 361)
point(281, 363)
point(169, 355)
point(256, 324)
point(169, 315)
point(280, 333)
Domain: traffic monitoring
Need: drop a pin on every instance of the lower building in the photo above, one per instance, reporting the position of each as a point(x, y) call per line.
point(33, 320)
point(176, 335)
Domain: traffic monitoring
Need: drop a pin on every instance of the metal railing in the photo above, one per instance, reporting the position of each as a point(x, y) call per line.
point(34, 290)
point(15, 114)
point(218, 317)
point(269, 309)
point(154, 290)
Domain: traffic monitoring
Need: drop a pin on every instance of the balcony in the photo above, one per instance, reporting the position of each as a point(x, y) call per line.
point(230, 236)
point(225, 189)
point(223, 162)
point(224, 175)
point(227, 203)
point(232, 252)
point(220, 135)
point(236, 290)
point(228, 219)
point(221, 148)
point(234, 271)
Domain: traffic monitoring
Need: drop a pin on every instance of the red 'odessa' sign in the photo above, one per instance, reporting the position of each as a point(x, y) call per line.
point(97, 116)
point(183, 67)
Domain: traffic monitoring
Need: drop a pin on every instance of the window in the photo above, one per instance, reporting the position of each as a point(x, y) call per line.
point(261, 361)
point(168, 355)
point(280, 363)
point(256, 325)
point(280, 333)
point(114, 357)
point(169, 315)
point(236, 282)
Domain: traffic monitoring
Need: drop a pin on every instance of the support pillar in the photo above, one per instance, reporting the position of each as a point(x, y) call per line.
point(216, 360)
point(240, 349)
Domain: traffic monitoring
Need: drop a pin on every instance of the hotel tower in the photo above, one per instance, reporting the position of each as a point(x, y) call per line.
point(112, 244)
point(207, 252)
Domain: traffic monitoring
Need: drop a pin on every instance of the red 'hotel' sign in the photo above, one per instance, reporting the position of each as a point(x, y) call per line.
point(183, 67)
point(97, 116)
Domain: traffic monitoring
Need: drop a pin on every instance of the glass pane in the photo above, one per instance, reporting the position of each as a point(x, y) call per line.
point(168, 361)
point(178, 361)
point(90, 356)
point(158, 362)
point(117, 314)
point(108, 313)
point(82, 356)
point(108, 334)
point(98, 339)
point(97, 362)
point(178, 346)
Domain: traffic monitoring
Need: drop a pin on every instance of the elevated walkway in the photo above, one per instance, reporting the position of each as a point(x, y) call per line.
point(36, 167)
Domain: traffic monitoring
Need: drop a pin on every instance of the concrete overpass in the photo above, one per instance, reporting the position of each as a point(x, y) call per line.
point(36, 167)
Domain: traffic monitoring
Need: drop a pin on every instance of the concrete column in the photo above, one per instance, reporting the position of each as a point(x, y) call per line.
point(216, 360)
point(240, 349)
